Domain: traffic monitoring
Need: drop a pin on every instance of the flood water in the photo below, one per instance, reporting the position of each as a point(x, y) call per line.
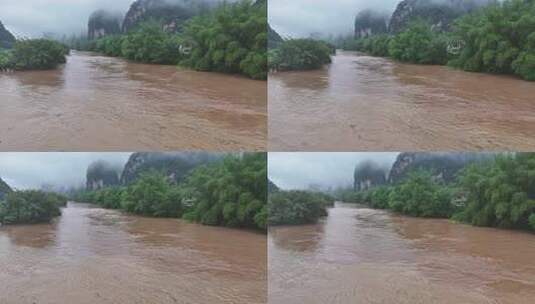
point(376, 104)
point(91, 255)
point(360, 255)
point(112, 104)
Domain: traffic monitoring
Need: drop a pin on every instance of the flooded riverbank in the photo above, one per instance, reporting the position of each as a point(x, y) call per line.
point(376, 104)
point(92, 255)
point(112, 104)
point(361, 255)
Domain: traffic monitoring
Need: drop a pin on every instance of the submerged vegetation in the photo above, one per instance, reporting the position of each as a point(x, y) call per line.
point(231, 192)
point(32, 206)
point(495, 193)
point(297, 207)
point(33, 54)
point(498, 38)
point(300, 54)
point(230, 39)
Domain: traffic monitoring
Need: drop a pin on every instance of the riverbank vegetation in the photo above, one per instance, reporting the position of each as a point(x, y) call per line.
point(300, 54)
point(230, 39)
point(297, 207)
point(231, 192)
point(31, 206)
point(33, 54)
point(498, 39)
point(496, 193)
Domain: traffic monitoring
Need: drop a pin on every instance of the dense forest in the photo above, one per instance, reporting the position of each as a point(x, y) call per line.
point(499, 192)
point(231, 38)
point(498, 38)
point(231, 192)
point(31, 206)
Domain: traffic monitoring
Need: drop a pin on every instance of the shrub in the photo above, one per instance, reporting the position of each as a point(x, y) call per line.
point(30, 206)
point(38, 54)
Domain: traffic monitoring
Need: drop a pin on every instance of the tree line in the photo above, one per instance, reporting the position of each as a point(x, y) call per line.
point(230, 39)
point(494, 193)
point(231, 192)
point(498, 38)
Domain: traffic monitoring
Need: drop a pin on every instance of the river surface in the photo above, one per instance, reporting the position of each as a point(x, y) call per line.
point(104, 103)
point(360, 255)
point(376, 104)
point(91, 255)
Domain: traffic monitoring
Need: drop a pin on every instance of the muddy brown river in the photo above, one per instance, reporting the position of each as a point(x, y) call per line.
point(376, 104)
point(96, 102)
point(359, 255)
point(91, 255)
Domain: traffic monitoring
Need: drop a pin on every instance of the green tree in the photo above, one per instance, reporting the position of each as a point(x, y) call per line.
point(231, 39)
point(300, 54)
point(297, 207)
point(30, 206)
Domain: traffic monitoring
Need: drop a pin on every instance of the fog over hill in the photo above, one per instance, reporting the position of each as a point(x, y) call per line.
point(35, 170)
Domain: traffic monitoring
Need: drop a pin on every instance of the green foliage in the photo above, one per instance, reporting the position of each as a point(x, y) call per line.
point(500, 193)
point(230, 193)
point(6, 59)
point(110, 45)
point(32, 206)
point(498, 39)
point(232, 39)
point(374, 45)
point(297, 207)
point(147, 43)
point(37, 54)
point(420, 195)
point(418, 43)
point(300, 54)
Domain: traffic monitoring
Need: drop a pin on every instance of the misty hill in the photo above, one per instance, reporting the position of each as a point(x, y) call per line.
point(443, 166)
point(274, 39)
point(174, 165)
point(272, 187)
point(368, 175)
point(173, 13)
point(440, 13)
point(4, 189)
point(101, 174)
point(369, 22)
point(102, 23)
point(6, 38)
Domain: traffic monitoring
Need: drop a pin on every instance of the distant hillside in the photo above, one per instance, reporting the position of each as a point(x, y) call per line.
point(439, 13)
point(172, 13)
point(443, 166)
point(173, 164)
point(4, 188)
point(6, 38)
point(101, 174)
point(102, 23)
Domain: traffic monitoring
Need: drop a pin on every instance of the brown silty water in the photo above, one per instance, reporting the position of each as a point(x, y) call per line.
point(92, 255)
point(112, 104)
point(360, 255)
point(376, 104)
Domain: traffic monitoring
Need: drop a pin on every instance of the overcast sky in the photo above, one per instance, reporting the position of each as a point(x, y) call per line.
point(34, 17)
point(300, 170)
point(32, 170)
point(300, 18)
